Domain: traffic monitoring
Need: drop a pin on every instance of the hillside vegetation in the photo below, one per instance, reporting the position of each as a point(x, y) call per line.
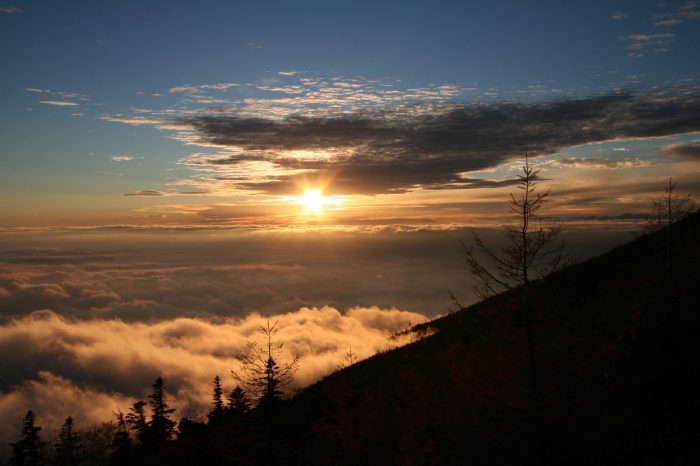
point(617, 358)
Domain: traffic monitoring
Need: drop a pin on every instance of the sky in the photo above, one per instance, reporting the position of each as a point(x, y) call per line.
point(172, 172)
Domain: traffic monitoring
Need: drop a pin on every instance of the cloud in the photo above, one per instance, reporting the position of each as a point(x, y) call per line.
point(60, 367)
point(146, 193)
point(186, 89)
point(122, 158)
point(641, 43)
point(668, 22)
point(190, 89)
point(601, 162)
point(400, 149)
point(11, 10)
point(649, 37)
point(53, 397)
point(618, 15)
point(687, 12)
point(683, 151)
point(59, 103)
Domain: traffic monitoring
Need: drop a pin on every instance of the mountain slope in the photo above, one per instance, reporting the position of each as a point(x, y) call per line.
point(616, 346)
point(616, 350)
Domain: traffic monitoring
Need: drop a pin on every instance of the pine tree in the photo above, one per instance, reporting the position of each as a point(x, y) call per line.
point(136, 421)
point(217, 410)
point(121, 443)
point(161, 428)
point(68, 448)
point(238, 402)
point(27, 451)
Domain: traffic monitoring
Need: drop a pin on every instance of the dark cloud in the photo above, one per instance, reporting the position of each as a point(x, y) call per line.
point(683, 151)
point(407, 148)
point(146, 193)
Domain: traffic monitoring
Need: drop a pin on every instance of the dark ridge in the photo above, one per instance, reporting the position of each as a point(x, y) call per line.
point(617, 357)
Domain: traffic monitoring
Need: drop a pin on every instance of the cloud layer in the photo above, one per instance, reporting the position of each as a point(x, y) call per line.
point(88, 369)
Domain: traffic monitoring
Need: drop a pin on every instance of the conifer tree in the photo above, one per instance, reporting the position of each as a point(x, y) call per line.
point(532, 251)
point(161, 428)
point(217, 410)
point(68, 448)
point(27, 451)
point(238, 402)
point(261, 373)
point(121, 441)
point(136, 420)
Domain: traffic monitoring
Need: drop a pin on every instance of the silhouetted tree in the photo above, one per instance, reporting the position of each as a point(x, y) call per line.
point(96, 443)
point(669, 208)
point(187, 429)
point(532, 251)
point(261, 374)
point(28, 450)
point(349, 359)
point(217, 410)
point(665, 211)
point(238, 402)
point(161, 428)
point(68, 447)
point(136, 421)
point(121, 443)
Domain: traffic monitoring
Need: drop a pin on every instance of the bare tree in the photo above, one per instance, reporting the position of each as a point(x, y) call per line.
point(262, 373)
point(665, 211)
point(349, 359)
point(669, 208)
point(532, 251)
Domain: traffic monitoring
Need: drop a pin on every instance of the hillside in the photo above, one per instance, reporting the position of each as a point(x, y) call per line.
point(616, 348)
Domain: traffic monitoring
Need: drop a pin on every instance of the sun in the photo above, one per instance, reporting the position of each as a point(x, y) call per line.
point(313, 201)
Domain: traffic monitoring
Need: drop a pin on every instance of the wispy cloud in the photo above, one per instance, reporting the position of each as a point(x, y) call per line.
point(146, 193)
point(11, 9)
point(650, 37)
point(687, 12)
point(59, 103)
point(619, 15)
point(639, 44)
point(601, 162)
point(122, 158)
point(185, 89)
